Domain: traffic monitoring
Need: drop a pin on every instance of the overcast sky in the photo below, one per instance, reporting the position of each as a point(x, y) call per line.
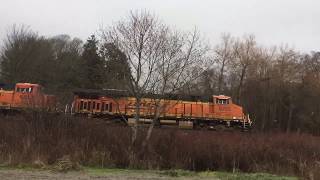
point(274, 22)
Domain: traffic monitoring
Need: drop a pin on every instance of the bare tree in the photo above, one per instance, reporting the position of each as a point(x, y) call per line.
point(258, 91)
point(244, 55)
point(138, 37)
point(17, 52)
point(182, 57)
point(289, 76)
point(26, 57)
point(223, 55)
point(161, 60)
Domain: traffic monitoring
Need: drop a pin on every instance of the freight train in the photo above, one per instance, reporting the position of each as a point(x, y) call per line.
point(184, 111)
point(181, 110)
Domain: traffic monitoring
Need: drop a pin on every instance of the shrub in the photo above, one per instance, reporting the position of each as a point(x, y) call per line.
point(46, 138)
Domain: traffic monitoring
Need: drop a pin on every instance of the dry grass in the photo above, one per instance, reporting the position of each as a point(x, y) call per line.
point(44, 139)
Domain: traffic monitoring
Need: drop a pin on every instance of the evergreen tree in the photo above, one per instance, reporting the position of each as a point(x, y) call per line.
point(93, 64)
point(117, 70)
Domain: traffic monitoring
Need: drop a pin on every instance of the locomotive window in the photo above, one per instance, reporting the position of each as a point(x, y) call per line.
point(25, 89)
point(102, 106)
point(107, 107)
point(93, 105)
point(81, 105)
point(98, 106)
point(222, 101)
point(21, 89)
point(89, 105)
point(85, 105)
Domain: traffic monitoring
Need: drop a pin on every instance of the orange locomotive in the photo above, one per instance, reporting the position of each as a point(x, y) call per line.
point(184, 111)
point(26, 95)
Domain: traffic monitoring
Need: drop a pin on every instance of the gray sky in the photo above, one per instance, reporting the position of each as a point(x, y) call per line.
point(274, 22)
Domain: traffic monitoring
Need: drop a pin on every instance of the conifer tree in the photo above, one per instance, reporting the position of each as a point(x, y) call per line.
point(93, 64)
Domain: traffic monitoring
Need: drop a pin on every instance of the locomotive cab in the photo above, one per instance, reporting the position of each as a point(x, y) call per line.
point(27, 88)
point(26, 95)
point(222, 100)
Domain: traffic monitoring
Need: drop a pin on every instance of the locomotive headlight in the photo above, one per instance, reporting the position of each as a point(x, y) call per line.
point(234, 118)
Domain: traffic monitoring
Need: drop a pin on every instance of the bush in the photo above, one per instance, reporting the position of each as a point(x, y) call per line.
point(46, 138)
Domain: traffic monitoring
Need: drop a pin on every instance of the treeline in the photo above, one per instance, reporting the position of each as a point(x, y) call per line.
point(278, 86)
point(60, 63)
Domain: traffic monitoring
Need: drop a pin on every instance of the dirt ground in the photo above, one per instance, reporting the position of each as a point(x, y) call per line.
point(129, 174)
point(47, 175)
point(78, 175)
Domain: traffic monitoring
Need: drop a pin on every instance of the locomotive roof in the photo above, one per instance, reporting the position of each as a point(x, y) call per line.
point(27, 84)
point(116, 93)
point(222, 97)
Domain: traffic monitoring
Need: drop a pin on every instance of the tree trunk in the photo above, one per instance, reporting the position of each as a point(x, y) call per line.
point(150, 129)
point(243, 72)
point(221, 78)
point(137, 118)
point(263, 123)
point(290, 118)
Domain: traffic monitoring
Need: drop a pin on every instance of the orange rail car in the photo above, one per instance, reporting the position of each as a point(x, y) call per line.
point(26, 95)
point(184, 111)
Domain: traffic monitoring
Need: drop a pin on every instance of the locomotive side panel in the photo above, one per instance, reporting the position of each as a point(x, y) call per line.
point(205, 108)
point(6, 98)
point(187, 109)
point(197, 110)
point(227, 112)
point(176, 109)
point(219, 110)
point(103, 105)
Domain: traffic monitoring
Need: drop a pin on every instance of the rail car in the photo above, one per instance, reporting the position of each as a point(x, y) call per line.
point(183, 111)
point(25, 96)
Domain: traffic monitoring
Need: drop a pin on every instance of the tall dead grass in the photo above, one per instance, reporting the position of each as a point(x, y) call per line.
point(39, 138)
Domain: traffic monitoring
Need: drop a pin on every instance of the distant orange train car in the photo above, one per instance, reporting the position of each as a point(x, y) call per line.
point(184, 111)
point(26, 95)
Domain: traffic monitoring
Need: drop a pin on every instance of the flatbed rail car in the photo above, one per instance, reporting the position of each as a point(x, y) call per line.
point(26, 96)
point(184, 111)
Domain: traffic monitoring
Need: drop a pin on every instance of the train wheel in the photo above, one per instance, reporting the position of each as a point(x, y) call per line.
point(204, 126)
point(186, 124)
point(219, 127)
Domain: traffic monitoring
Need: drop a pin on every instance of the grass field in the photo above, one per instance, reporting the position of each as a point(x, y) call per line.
point(10, 173)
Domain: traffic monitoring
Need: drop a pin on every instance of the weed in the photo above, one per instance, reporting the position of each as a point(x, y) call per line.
point(43, 139)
